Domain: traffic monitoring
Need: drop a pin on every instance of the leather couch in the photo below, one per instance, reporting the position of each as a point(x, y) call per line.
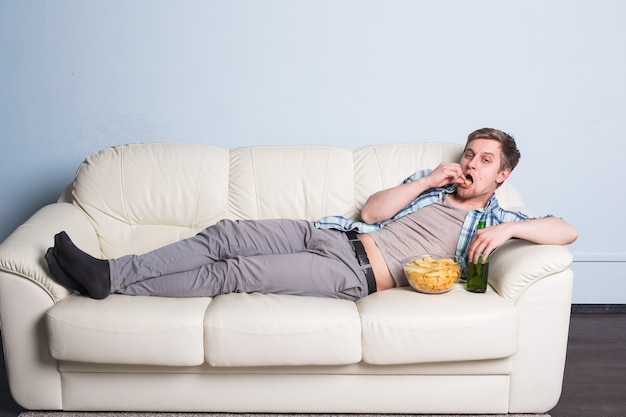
point(397, 351)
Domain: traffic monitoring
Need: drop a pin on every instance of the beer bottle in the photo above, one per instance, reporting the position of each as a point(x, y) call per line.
point(477, 272)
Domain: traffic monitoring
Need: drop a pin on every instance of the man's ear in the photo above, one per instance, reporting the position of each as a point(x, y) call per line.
point(503, 175)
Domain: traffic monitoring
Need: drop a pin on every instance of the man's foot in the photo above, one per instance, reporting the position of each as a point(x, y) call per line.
point(61, 276)
point(92, 273)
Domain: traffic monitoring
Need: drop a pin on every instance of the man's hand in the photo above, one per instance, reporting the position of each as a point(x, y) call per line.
point(486, 240)
point(446, 173)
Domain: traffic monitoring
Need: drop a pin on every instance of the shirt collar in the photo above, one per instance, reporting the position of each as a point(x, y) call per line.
point(491, 205)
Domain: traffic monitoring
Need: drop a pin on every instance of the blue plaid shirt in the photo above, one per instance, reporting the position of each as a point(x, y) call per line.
point(492, 213)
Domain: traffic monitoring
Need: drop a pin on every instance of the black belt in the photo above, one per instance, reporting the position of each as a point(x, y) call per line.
point(361, 256)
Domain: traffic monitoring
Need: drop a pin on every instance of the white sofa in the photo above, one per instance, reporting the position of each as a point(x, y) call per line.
point(397, 351)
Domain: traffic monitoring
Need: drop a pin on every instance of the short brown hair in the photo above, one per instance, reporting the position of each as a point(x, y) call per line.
point(510, 153)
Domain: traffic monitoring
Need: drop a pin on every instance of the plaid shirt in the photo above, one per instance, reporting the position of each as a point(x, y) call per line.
point(492, 213)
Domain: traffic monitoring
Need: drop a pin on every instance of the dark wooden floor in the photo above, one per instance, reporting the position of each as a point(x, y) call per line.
point(595, 371)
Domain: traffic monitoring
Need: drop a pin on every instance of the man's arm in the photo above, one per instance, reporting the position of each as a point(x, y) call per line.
point(384, 204)
point(547, 231)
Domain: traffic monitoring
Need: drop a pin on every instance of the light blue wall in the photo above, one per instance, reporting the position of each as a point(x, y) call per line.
point(78, 76)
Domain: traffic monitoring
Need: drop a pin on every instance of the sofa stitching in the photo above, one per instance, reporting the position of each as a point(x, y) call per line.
point(380, 171)
point(355, 210)
point(254, 179)
point(326, 181)
point(194, 215)
point(123, 184)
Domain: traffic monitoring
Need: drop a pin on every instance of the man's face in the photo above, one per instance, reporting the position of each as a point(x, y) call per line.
point(481, 164)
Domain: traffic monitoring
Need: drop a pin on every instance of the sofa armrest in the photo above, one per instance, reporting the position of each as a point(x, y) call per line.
point(519, 263)
point(22, 253)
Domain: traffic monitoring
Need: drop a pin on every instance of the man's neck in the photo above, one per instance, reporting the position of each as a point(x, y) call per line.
point(468, 203)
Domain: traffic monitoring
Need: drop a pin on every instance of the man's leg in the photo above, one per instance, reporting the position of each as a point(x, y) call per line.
point(225, 240)
point(331, 272)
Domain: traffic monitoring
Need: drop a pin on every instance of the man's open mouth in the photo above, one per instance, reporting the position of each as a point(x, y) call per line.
point(469, 180)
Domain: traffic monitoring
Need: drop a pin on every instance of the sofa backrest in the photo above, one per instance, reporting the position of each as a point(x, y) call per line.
point(141, 196)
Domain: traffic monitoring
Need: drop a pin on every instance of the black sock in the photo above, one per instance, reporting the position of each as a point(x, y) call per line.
point(60, 275)
point(92, 273)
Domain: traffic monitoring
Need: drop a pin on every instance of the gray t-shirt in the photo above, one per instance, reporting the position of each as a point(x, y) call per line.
point(433, 229)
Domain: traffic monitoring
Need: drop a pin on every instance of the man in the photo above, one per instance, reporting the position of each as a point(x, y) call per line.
point(430, 212)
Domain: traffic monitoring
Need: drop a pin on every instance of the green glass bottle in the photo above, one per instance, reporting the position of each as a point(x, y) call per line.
point(477, 272)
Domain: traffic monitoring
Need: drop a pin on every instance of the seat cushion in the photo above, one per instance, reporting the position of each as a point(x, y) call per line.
point(128, 330)
point(398, 326)
point(269, 329)
point(403, 326)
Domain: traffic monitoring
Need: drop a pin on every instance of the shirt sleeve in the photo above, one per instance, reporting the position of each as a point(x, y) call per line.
point(417, 175)
point(503, 216)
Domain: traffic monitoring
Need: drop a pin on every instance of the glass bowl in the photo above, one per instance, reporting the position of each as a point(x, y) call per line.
point(432, 273)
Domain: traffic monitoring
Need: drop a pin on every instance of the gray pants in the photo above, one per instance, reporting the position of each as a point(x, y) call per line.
point(267, 256)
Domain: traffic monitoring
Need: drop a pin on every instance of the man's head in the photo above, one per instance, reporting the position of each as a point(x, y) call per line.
point(510, 155)
point(487, 161)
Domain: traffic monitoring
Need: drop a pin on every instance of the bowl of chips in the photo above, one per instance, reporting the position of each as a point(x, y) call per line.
point(432, 274)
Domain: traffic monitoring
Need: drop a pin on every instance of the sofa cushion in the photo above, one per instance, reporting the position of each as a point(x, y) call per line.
point(128, 330)
point(142, 196)
point(269, 329)
point(303, 182)
point(403, 326)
